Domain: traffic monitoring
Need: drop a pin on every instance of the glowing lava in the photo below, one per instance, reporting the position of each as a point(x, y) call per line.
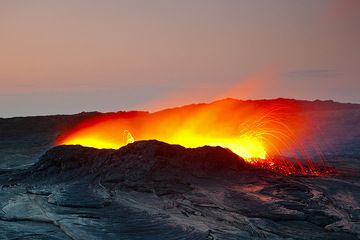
point(255, 131)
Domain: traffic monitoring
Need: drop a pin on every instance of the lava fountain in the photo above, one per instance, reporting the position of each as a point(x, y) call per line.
point(255, 130)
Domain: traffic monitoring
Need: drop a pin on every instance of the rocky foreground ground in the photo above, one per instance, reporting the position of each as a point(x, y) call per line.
point(153, 190)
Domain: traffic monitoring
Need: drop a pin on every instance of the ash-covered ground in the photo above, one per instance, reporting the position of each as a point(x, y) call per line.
point(153, 190)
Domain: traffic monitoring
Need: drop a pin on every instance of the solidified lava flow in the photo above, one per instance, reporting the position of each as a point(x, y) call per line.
point(258, 132)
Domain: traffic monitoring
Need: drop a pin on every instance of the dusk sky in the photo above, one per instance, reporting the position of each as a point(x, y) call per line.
point(73, 56)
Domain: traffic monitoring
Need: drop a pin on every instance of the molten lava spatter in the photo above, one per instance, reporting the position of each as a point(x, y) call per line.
point(252, 130)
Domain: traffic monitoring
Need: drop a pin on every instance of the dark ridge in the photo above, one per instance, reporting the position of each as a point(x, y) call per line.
point(142, 164)
point(305, 105)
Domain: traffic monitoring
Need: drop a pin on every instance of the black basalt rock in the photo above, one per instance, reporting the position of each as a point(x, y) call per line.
point(140, 164)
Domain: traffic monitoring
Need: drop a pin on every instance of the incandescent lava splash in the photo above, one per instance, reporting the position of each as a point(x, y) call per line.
point(258, 131)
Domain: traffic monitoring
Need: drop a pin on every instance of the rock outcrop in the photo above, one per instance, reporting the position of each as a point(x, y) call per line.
point(144, 165)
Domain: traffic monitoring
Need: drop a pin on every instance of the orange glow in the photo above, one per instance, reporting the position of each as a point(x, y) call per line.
point(255, 130)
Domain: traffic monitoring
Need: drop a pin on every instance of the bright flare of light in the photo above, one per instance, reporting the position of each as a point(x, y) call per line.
point(254, 131)
point(243, 132)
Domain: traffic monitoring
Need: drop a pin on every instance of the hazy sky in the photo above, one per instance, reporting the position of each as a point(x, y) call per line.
point(72, 56)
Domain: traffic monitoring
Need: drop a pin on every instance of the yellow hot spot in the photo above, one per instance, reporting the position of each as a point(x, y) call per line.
point(247, 146)
point(100, 141)
point(91, 142)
